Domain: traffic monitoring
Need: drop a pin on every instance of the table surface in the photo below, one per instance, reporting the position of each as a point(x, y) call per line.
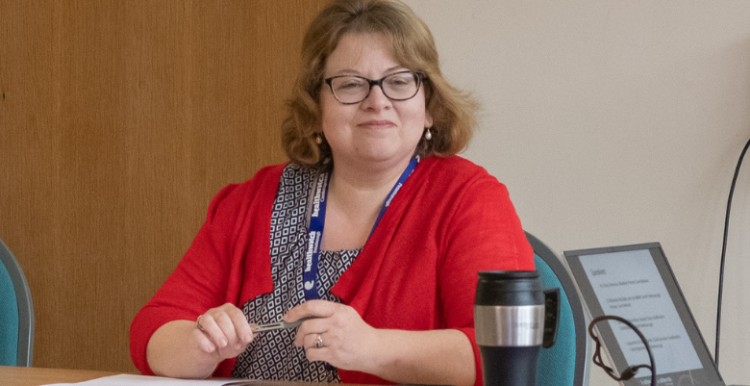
point(35, 376)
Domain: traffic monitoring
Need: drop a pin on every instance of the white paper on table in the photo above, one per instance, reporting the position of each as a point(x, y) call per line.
point(144, 380)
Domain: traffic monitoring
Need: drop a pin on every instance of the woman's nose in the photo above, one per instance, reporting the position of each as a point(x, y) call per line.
point(377, 99)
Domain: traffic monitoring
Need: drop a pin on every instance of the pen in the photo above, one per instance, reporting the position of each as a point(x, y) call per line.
point(276, 326)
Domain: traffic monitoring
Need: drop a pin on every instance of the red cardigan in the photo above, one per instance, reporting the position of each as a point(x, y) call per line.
point(418, 270)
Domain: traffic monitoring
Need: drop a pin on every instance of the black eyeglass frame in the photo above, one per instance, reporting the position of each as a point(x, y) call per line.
point(418, 75)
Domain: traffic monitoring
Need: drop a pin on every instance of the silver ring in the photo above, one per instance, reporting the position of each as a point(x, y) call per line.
point(198, 323)
point(319, 341)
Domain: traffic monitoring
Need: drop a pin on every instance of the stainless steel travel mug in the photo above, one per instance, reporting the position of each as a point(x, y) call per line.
point(510, 310)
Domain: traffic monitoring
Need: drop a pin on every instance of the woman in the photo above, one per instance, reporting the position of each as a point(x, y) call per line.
point(377, 230)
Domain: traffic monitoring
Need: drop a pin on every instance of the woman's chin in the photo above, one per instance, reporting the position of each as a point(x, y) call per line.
point(383, 159)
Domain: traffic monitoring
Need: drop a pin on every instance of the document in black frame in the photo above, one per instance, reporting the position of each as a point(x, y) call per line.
point(636, 282)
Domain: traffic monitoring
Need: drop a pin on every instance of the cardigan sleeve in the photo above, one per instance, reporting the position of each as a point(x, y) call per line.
point(418, 271)
point(228, 262)
point(199, 281)
point(484, 233)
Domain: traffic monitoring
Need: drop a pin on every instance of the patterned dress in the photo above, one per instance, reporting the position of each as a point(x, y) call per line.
point(272, 354)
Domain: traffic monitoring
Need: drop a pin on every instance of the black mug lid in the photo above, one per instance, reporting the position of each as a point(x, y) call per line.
point(509, 288)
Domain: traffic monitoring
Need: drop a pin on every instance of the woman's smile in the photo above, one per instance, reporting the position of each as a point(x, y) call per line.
point(377, 124)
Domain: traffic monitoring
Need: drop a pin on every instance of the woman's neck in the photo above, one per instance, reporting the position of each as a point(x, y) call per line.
point(366, 181)
point(355, 198)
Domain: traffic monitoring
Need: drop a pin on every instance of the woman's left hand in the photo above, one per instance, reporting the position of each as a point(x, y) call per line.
point(336, 335)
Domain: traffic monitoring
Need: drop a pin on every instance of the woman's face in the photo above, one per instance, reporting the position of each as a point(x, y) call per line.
point(376, 131)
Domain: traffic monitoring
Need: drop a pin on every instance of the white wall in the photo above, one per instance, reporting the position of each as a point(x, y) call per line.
point(617, 122)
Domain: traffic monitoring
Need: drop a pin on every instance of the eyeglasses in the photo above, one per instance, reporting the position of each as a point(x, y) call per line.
point(399, 86)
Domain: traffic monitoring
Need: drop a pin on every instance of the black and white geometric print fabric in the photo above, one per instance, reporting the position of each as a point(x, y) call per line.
point(272, 354)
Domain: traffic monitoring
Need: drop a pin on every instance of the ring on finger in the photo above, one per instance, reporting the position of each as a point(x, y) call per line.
point(198, 323)
point(319, 341)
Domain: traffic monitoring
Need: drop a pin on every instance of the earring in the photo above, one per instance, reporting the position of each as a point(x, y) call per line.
point(318, 139)
point(428, 134)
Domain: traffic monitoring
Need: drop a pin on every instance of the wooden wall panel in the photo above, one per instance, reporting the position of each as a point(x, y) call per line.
point(119, 120)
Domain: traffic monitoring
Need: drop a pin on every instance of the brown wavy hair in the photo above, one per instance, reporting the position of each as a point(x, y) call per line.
point(412, 46)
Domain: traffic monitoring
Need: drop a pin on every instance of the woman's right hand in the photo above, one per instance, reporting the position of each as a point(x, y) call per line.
point(223, 330)
point(223, 333)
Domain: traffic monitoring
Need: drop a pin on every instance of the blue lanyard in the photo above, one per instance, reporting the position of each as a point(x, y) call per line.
point(317, 224)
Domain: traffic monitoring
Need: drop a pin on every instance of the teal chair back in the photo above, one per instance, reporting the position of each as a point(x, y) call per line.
point(16, 313)
point(566, 363)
